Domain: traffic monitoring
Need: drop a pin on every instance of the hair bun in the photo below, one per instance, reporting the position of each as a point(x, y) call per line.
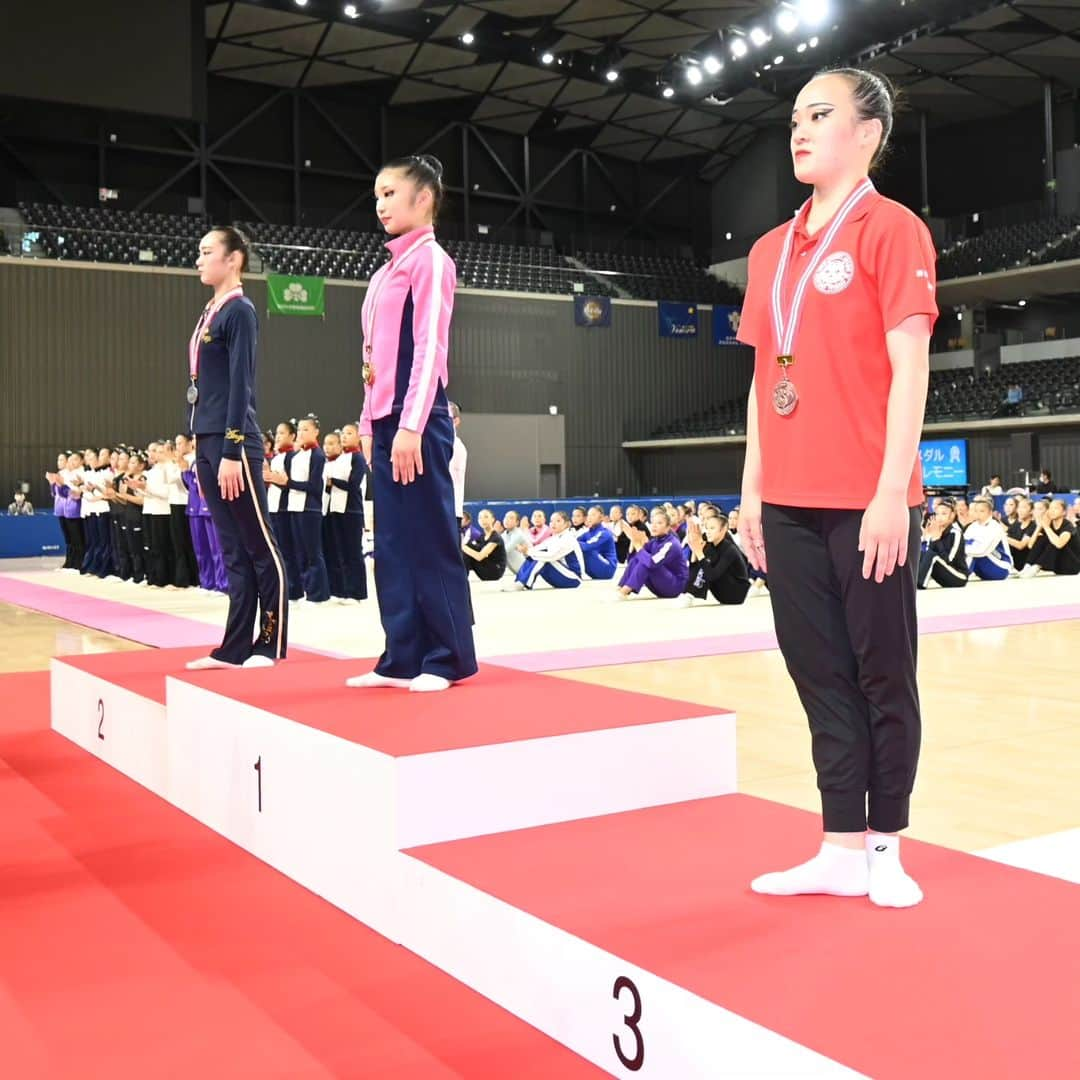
point(433, 163)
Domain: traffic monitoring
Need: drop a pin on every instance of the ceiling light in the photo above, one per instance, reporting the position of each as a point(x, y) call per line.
point(778, 60)
point(351, 11)
point(300, 3)
point(727, 236)
point(787, 21)
point(1022, 303)
point(667, 92)
point(467, 38)
point(801, 47)
point(694, 76)
point(739, 48)
point(758, 36)
point(813, 43)
point(767, 67)
point(611, 75)
point(547, 58)
point(813, 12)
point(712, 65)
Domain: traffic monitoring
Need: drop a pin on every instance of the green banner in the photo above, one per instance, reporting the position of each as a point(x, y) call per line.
point(288, 294)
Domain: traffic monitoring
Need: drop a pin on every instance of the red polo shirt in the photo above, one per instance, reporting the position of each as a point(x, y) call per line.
point(878, 271)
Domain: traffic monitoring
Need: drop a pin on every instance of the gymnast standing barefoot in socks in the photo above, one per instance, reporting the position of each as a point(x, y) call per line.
point(407, 436)
point(839, 308)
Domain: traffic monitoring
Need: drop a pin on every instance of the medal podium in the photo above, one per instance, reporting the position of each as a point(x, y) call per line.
point(585, 864)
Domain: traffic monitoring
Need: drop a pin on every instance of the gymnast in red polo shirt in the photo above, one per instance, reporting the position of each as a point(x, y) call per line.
point(839, 308)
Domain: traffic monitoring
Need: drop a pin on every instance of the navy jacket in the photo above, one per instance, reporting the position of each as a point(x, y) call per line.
point(355, 501)
point(226, 404)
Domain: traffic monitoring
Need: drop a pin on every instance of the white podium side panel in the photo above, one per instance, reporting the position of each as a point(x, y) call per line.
point(318, 808)
point(122, 728)
point(453, 794)
point(617, 1015)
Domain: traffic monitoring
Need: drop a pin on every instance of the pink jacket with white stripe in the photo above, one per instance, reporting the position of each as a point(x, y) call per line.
point(406, 321)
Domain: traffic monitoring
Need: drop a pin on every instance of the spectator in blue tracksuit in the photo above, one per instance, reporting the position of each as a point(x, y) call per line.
point(597, 543)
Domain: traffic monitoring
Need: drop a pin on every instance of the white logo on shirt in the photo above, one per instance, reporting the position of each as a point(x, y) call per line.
point(834, 275)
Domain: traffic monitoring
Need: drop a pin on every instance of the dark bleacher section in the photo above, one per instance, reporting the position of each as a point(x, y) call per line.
point(1010, 246)
point(654, 277)
point(482, 265)
point(1049, 386)
point(331, 253)
point(94, 234)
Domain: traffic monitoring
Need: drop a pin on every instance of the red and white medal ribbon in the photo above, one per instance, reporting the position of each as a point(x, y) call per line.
point(785, 327)
point(205, 319)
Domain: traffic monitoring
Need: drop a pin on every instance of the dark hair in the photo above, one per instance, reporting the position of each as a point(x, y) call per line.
point(1046, 473)
point(290, 424)
point(875, 98)
point(423, 170)
point(311, 418)
point(560, 514)
point(234, 240)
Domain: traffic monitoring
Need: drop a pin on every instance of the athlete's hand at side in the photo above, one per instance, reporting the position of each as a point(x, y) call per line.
point(883, 537)
point(365, 448)
point(230, 479)
point(405, 456)
point(751, 533)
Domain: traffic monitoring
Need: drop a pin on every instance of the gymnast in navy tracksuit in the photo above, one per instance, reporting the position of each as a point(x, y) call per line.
point(597, 543)
point(276, 478)
point(229, 459)
point(408, 437)
point(345, 512)
point(305, 497)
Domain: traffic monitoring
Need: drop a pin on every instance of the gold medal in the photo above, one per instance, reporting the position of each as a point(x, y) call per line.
point(368, 372)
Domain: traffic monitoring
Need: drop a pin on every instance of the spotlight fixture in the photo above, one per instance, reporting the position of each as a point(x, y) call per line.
point(1022, 303)
point(739, 48)
point(468, 37)
point(351, 11)
point(667, 92)
point(300, 3)
point(777, 60)
point(758, 36)
point(611, 75)
point(801, 47)
point(694, 76)
point(547, 58)
point(711, 65)
point(787, 21)
point(813, 43)
point(813, 12)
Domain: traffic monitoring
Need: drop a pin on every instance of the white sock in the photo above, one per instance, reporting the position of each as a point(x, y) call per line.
point(890, 884)
point(428, 684)
point(834, 871)
point(373, 679)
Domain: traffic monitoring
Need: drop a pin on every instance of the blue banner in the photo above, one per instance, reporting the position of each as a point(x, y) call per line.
point(944, 462)
point(592, 311)
point(677, 320)
point(725, 325)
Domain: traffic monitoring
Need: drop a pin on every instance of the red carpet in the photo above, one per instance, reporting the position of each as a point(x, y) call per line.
point(135, 943)
point(978, 981)
point(497, 705)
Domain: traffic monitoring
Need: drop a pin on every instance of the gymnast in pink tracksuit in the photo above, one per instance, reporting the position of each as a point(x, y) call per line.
point(407, 435)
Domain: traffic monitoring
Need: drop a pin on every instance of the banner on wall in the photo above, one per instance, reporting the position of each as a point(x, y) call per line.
point(677, 320)
point(592, 311)
point(291, 294)
point(725, 325)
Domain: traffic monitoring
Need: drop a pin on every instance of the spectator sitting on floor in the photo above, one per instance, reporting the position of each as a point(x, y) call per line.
point(994, 487)
point(943, 558)
point(963, 512)
point(1054, 547)
point(1073, 513)
point(485, 555)
point(577, 520)
point(658, 563)
point(1007, 516)
point(515, 539)
point(986, 543)
point(540, 530)
point(20, 506)
point(557, 559)
point(717, 564)
point(597, 546)
point(469, 530)
point(1021, 533)
point(1045, 486)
